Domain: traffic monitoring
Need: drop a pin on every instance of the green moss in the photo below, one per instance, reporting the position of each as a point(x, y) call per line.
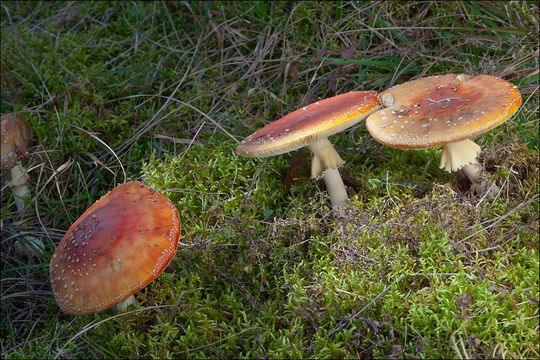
point(212, 179)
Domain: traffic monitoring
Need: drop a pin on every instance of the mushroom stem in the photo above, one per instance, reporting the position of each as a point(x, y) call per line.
point(32, 247)
point(456, 155)
point(462, 155)
point(325, 162)
point(18, 186)
point(324, 156)
point(121, 307)
point(336, 189)
point(475, 172)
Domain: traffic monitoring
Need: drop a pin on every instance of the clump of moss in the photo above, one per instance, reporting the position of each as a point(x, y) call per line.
point(210, 179)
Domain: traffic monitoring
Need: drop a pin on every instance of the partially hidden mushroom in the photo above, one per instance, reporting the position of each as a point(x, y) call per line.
point(311, 126)
point(445, 111)
point(16, 136)
point(118, 246)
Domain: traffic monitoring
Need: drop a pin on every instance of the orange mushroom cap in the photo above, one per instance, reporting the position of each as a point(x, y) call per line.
point(118, 246)
point(15, 137)
point(438, 110)
point(309, 123)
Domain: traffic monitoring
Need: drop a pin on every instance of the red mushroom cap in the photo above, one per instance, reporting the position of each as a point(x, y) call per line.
point(118, 246)
point(16, 135)
point(309, 123)
point(438, 110)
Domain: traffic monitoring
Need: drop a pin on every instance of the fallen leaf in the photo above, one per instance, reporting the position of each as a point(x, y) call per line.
point(299, 167)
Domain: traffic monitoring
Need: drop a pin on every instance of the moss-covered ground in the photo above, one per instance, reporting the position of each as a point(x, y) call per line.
point(161, 92)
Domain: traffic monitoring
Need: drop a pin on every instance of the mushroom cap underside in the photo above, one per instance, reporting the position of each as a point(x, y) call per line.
point(437, 110)
point(15, 137)
point(119, 245)
point(309, 123)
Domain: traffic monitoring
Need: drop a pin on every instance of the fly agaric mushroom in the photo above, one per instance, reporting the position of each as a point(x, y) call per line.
point(444, 111)
point(310, 126)
point(16, 136)
point(118, 246)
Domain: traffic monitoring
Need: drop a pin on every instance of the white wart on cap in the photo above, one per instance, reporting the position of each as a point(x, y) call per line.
point(118, 246)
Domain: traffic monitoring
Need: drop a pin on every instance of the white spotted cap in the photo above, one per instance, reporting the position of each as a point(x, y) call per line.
point(309, 123)
point(438, 110)
point(118, 246)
